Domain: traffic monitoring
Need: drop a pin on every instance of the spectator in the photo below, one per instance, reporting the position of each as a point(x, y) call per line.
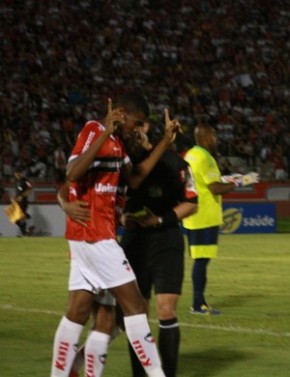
point(248, 153)
point(265, 152)
point(38, 169)
point(279, 164)
point(49, 71)
point(225, 166)
point(4, 196)
point(8, 161)
point(60, 162)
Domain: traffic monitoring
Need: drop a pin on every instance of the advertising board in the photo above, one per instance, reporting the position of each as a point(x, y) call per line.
point(248, 218)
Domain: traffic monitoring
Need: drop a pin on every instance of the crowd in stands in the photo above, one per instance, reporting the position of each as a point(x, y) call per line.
point(226, 63)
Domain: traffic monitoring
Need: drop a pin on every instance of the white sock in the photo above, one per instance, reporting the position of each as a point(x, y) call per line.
point(79, 359)
point(64, 347)
point(96, 353)
point(143, 343)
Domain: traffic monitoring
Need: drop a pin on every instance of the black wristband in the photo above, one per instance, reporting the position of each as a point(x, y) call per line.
point(169, 219)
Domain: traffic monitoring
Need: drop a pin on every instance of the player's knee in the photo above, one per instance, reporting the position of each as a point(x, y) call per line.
point(130, 299)
point(137, 306)
point(104, 320)
point(166, 311)
point(78, 314)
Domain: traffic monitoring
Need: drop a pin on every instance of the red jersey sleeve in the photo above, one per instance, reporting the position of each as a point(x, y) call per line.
point(189, 185)
point(90, 132)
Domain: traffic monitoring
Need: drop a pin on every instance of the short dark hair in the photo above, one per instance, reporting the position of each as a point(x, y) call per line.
point(133, 101)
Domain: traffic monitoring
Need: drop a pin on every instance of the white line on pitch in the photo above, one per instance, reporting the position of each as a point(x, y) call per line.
point(259, 259)
point(234, 329)
point(30, 310)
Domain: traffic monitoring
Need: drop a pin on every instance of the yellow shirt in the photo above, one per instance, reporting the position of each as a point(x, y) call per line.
point(205, 171)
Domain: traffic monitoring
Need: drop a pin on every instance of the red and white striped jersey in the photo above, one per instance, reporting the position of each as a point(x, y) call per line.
point(99, 185)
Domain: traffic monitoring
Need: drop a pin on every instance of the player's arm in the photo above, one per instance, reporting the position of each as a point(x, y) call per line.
point(188, 203)
point(169, 218)
point(79, 165)
point(25, 193)
point(211, 176)
point(63, 194)
point(230, 182)
point(77, 210)
point(221, 188)
point(143, 169)
point(184, 209)
point(188, 199)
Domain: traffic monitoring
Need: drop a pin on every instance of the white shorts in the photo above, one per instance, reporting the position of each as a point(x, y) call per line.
point(99, 265)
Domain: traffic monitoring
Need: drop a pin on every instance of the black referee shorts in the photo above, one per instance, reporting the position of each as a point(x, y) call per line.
point(157, 258)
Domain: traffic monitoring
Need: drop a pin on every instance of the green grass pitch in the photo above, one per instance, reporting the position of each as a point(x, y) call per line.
point(249, 282)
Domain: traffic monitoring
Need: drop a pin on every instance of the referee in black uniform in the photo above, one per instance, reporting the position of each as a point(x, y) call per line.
point(154, 245)
point(23, 189)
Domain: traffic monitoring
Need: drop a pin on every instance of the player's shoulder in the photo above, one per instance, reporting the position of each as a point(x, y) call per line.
point(195, 154)
point(90, 130)
point(93, 125)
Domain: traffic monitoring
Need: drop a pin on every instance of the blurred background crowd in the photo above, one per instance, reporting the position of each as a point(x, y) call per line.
point(226, 63)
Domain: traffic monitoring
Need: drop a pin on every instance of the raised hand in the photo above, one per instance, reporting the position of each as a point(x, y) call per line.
point(113, 118)
point(172, 126)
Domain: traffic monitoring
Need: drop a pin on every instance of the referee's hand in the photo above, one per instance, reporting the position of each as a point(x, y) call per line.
point(172, 126)
point(149, 219)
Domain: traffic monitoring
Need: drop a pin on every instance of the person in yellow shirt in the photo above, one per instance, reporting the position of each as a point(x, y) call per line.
point(202, 228)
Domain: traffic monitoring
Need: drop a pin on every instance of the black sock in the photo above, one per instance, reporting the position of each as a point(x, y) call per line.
point(22, 226)
point(169, 338)
point(199, 279)
point(137, 368)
